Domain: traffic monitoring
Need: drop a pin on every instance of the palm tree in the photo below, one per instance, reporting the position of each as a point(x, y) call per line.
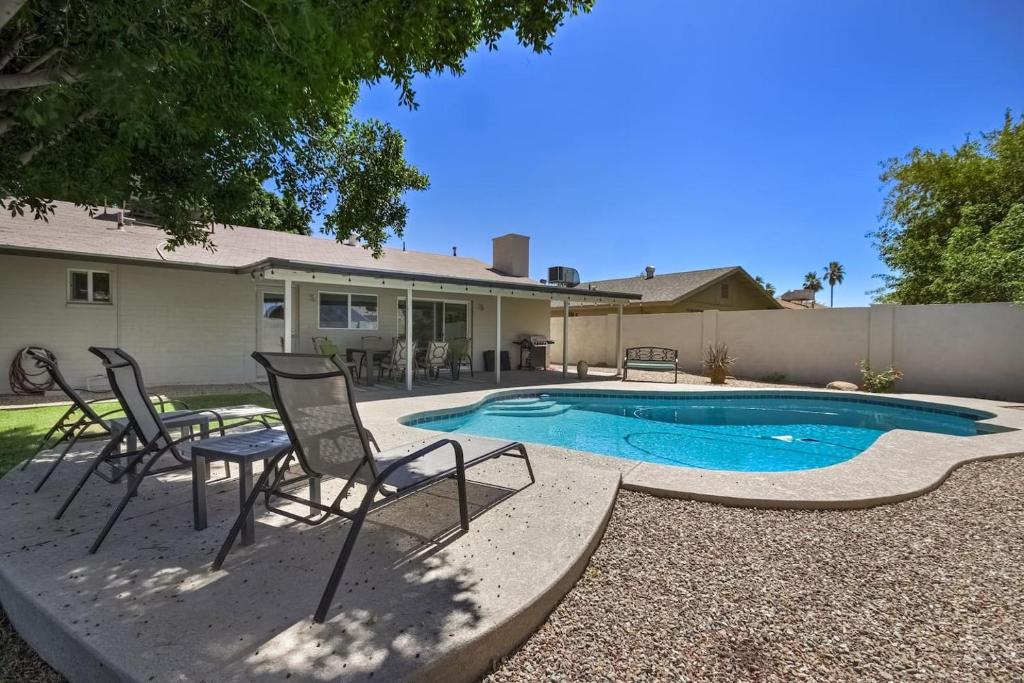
point(813, 283)
point(767, 286)
point(834, 273)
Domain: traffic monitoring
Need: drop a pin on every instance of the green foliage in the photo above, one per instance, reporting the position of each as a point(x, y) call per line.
point(188, 105)
point(767, 286)
point(834, 274)
point(954, 230)
point(274, 212)
point(812, 282)
point(774, 378)
point(878, 382)
point(716, 357)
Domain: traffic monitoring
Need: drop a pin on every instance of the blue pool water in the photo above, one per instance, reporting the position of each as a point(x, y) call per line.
point(752, 433)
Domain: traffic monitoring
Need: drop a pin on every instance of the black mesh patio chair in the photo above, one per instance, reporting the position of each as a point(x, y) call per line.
point(78, 421)
point(145, 422)
point(316, 402)
point(462, 353)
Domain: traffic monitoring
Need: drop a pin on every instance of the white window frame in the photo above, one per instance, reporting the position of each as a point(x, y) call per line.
point(468, 303)
point(90, 301)
point(348, 303)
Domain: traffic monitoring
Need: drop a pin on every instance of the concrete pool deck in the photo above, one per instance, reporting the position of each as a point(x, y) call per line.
point(419, 602)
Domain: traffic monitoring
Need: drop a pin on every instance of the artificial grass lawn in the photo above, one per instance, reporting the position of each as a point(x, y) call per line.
point(21, 429)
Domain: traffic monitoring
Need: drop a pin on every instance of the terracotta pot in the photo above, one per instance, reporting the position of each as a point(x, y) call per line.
point(717, 375)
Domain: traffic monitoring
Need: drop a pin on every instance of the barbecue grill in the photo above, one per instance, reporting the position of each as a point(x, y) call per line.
point(533, 352)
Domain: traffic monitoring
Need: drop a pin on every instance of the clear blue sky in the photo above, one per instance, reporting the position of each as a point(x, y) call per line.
point(691, 135)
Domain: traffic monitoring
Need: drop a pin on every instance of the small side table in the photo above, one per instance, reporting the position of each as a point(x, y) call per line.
point(243, 449)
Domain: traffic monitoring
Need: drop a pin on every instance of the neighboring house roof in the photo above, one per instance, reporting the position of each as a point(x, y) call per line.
point(672, 287)
point(72, 232)
point(798, 295)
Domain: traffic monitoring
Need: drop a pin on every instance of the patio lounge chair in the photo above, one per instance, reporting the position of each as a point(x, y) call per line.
point(316, 402)
point(149, 428)
point(78, 420)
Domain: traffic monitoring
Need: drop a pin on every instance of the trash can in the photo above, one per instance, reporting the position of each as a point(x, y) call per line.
point(506, 364)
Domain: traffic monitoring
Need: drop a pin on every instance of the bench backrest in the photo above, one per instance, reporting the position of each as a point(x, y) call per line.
point(651, 353)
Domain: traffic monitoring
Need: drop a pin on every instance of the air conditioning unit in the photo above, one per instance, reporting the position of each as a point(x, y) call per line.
point(563, 276)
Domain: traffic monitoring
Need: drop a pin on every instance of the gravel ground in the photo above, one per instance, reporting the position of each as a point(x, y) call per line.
point(931, 590)
point(926, 590)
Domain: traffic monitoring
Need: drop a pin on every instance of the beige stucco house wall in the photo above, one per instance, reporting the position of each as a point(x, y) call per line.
point(189, 326)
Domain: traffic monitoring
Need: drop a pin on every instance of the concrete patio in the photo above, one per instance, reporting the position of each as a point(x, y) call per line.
point(420, 600)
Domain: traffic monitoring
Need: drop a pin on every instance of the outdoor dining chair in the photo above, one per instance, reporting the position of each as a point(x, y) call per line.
point(78, 421)
point(149, 429)
point(435, 359)
point(462, 353)
point(316, 402)
point(394, 366)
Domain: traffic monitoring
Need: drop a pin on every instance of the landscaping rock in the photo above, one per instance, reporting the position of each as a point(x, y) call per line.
point(839, 385)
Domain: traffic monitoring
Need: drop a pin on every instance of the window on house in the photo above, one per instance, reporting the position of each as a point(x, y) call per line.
point(348, 311)
point(89, 286)
point(725, 290)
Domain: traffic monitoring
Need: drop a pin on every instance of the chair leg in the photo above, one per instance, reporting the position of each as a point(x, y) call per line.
point(526, 458)
point(346, 551)
point(42, 445)
point(60, 458)
point(93, 466)
point(133, 487)
point(460, 478)
point(243, 514)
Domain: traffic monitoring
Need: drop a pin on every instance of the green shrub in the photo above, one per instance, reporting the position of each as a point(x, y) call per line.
point(774, 378)
point(878, 382)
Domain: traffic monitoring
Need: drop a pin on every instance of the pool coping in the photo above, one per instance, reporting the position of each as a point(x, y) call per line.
point(900, 465)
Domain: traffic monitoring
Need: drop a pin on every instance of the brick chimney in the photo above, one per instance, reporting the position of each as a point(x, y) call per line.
point(512, 255)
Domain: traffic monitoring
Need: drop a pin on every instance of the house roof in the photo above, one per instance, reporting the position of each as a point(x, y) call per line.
point(70, 232)
point(670, 287)
point(798, 295)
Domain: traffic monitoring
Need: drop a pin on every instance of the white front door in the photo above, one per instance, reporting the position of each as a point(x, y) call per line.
point(270, 323)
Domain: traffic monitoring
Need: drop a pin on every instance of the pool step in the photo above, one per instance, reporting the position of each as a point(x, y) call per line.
point(520, 405)
point(545, 411)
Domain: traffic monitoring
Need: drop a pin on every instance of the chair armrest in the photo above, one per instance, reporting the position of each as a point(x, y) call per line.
point(460, 465)
point(372, 439)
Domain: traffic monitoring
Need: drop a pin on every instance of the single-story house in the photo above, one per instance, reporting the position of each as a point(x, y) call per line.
point(194, 315)
point(724, 289)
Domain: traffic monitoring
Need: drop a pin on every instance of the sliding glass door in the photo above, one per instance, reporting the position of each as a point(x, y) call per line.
point(435, 320)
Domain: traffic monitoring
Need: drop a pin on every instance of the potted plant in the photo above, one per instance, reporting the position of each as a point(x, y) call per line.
point(581, 369)
point(717, 362)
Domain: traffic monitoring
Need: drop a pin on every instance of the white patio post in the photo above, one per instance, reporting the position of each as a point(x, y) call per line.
point(565, 338)
point(497, 340)
point(618, 342)
point(287, 315)
point(408, 339)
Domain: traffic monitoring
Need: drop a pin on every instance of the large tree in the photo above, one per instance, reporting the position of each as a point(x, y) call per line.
point(187, 104)
point(954, 222)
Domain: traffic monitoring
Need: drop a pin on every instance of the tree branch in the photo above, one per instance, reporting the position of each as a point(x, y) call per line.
point(12, 51)
point(40, 60)
point(8, 8)
point(35, 79)
point(25, 157)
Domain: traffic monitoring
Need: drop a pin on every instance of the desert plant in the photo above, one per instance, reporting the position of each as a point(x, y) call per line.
point(717, 362)
point(878, 382)
point(774, 378)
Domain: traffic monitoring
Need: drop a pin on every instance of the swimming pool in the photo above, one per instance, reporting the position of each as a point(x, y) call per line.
point(752, 432)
